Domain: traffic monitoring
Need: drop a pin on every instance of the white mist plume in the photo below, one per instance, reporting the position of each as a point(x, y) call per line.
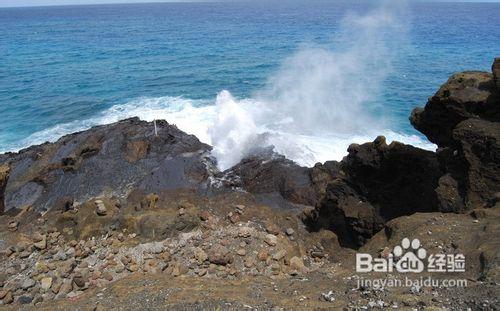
point(317, 92)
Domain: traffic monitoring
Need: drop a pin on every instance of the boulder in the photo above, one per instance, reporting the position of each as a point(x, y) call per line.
point(271, 174)
point(465, 95)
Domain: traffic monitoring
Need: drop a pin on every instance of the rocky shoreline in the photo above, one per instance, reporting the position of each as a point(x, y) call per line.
point(116, 206)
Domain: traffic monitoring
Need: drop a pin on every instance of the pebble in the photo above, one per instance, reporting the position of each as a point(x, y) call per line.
point(241, 252)
point(100, 208)
point(8, 299)
point(46, 283)
point(296, 264)
point(279, 254)
point(271, 239)
point(244, 232)
point(200, 255)
point(272, 228)
point(28, 283)
point(290, 231)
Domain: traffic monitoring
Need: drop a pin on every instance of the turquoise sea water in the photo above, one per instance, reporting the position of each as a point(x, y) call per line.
point(67, 68)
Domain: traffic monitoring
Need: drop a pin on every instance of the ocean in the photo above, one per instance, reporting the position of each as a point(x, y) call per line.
point(307, 77)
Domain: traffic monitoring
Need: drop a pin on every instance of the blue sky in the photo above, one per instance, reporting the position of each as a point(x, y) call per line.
point(10, 3)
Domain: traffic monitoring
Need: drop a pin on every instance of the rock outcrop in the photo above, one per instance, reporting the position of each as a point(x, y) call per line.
point(109, 160)
point(379, 182)
point(272, 175)
point(463, 119)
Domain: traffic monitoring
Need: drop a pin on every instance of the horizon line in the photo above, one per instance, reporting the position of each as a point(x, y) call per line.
point(217, 1)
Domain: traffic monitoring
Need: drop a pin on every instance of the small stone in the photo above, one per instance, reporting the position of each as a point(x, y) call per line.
point(107, 276)
point(279, 254)
point(8, 299)
point(28, 283)
point(133, 268)
point(244, 232)
point(100, 208)
point(99, 307)
point(272, 228)
point(289, 231)
point(46, 283)
point(385, 253)
point(182, 211)
point(296, 264)
point(263, 255)
point(200, 255)
point(233, 218)
point(60, 255)
point(202, 272)
point(25, 299)
point(271, 239)
point(241, 252)
point(42, 244)
point(205, 215)
point(275, 268)
point(219, 255)
point(249, 262)
point(13, 225)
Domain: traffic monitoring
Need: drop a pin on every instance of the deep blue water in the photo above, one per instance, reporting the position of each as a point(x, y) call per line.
point(59, 65)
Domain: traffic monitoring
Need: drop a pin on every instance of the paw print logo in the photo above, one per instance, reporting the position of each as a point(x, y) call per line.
point(411, 255)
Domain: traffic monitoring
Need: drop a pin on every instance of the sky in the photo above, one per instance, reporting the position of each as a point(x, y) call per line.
point(13, 3)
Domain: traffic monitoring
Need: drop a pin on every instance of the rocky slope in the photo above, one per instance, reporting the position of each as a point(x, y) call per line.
point(121, 217)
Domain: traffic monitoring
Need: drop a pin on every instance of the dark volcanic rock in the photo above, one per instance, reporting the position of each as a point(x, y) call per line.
point(109, 160)
point(271, 173)
point(465, 95)
point(463, 119)
point(480, 146)
point(347, 213)
point(381, 182)
point(397, 179)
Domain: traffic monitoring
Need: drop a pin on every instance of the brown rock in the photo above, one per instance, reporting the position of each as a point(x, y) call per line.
point(271, 239)
point(66, 287)
point(219, 255)
point(272, 228)
point(8, 299)
point(12, 226)
point(263, 255)
point(200, 255)
point(296, 264)
point(101, 209)
point(46, 283)
point(205, 215)
point(42, 243)
point(249, 262)
point(150, 201)
point(244, 232)
point(279, 254)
